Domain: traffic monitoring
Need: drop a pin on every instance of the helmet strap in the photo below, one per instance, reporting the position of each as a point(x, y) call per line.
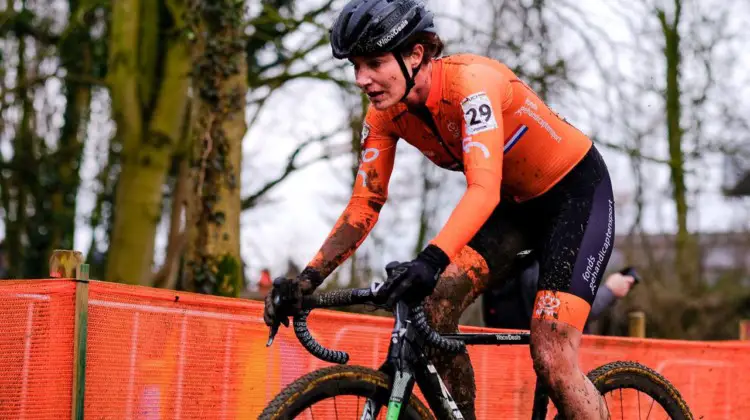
point(409, 79)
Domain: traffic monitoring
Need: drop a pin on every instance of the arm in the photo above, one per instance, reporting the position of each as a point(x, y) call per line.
point(613, 287)
point(485, 95)
point(603, 300)
point(361, 213)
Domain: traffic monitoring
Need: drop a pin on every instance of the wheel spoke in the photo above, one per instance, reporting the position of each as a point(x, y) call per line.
point(335, 406)
point(648, 416)
point(606, 404)
point(639, 406)
point(622, 408)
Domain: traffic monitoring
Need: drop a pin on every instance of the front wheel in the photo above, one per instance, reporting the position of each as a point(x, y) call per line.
point(622, 383)
point(338, 392)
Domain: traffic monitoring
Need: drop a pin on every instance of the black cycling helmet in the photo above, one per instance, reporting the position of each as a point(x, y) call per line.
point(367, 27)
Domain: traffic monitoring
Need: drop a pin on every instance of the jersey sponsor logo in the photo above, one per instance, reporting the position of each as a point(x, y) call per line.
point(454, 129)
point(508, 337)
point(364, 177)
point(370, 154)
point(390, 35)
point(468, 143)
point(594, 263)
point(547, 304)
point(530, 108)
point(478, 113)
point(365, 132)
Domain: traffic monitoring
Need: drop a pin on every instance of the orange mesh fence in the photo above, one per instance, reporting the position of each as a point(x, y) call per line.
point(36, 349)
point(205, 357)
point(156, 354)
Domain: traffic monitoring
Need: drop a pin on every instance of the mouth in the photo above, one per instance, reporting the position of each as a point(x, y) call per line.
point(375, 95)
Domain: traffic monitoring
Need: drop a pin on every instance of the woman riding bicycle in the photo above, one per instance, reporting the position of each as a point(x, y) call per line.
point(472, 114)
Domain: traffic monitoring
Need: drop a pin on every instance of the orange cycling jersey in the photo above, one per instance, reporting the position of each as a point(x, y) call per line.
point(479, 118)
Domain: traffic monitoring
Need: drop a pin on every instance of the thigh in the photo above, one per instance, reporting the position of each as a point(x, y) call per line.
point(576, 249)
point(505, 233)
point(483, 263)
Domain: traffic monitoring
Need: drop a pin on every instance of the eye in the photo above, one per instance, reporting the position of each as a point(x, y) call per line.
point(373, 64)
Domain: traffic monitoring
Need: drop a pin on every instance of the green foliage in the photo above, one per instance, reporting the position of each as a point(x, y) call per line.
point(39, 184)
point(220, 275)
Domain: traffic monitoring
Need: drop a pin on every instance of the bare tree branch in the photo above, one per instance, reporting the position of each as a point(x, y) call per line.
point(292, 165)
point(166, 277)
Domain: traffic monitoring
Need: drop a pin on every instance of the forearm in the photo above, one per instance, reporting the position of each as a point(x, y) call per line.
point(350, 230)
point(602, 301)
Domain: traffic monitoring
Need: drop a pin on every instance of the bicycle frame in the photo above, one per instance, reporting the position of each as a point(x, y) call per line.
point(407, 364)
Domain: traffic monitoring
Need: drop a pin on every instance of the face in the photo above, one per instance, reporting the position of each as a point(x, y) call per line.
point(380, 77)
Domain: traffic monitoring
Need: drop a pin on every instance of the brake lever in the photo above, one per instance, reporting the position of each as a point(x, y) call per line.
point(274, 329)
point(272, 333)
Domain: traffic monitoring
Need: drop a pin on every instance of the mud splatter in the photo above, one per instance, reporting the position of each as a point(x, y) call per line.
point(554, 353)
point(375, 205)
point(348, 233)
point(373, 183)
point(463, 281)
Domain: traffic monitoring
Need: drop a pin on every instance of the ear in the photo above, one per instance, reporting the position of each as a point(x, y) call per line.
point(417, 53)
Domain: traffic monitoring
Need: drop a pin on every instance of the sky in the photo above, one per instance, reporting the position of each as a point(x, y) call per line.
point(300, 213)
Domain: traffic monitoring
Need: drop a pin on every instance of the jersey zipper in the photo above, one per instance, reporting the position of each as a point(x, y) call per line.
point(426, 117)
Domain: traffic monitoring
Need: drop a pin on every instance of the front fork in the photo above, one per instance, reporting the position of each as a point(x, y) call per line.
point(398, 366)
point(401, 388)
point(403, 383)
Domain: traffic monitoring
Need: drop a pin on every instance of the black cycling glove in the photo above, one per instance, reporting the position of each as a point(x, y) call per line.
point(414, 280)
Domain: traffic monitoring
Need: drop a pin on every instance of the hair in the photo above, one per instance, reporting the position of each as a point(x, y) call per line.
point(433, 45)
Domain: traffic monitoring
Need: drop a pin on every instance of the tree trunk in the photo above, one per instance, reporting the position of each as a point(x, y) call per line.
point(684, 262)
point(213, 261)
point(149, 103)
point(21, 162)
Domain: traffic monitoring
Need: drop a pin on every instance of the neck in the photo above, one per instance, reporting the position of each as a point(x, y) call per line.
point(421, 90)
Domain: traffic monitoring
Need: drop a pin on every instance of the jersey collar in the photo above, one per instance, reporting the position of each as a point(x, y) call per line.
point(436, 86)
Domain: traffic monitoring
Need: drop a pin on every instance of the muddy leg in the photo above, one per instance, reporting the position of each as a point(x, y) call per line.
point(463, 281)
point(554, 351)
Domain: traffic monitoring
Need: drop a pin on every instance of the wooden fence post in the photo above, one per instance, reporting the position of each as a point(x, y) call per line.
point(65, 264)
point(70, 264)
point(637, 324)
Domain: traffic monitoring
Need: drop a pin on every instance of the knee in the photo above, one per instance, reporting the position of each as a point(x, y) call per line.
point(441, 314)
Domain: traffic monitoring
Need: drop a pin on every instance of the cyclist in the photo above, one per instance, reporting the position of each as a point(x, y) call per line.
point(472, 114)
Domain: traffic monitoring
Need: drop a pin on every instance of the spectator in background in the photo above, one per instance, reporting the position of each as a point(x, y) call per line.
point(510, 305)
point(265, 282)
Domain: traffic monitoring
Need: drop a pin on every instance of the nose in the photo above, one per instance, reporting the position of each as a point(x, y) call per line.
point(362, 78)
